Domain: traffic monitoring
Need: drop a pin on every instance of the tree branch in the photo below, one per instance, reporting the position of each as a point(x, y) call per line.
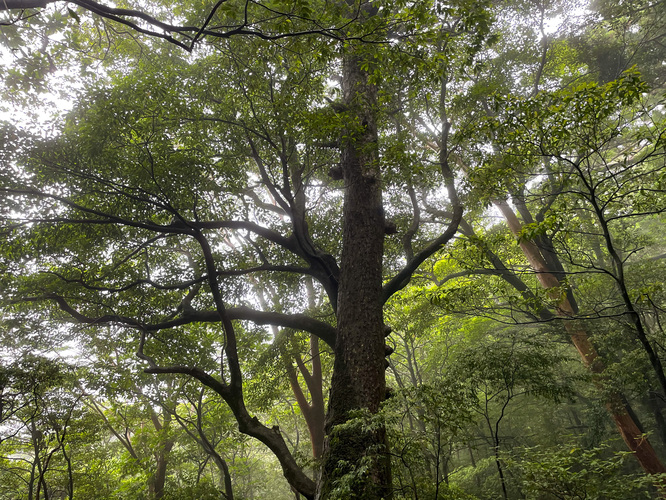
point(302, 322)
point(247, 424)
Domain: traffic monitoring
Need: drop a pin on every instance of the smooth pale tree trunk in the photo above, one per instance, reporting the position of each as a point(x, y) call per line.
point(313, 412)
point(358, 381)
point(630, 431)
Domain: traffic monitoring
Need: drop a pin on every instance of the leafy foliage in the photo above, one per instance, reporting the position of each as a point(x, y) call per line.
point(177, 234)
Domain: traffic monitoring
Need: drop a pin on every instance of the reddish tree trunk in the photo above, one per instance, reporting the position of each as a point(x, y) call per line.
point(627, 427)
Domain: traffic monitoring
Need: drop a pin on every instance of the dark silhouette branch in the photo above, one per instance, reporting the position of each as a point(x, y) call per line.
point(190, 34)
point(301, 322)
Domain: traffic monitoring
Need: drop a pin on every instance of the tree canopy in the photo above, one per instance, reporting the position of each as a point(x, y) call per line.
point(391, 249)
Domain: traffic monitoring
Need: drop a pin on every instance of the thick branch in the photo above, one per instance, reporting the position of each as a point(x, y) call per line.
point(81, 318)
point(264, 232)
point(302, 322)
point(401, 280)
point(507, 275)
point(234, 390)
point(248, 425)
point(413, 227)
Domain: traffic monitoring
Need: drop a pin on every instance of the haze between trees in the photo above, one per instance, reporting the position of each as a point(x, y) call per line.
point(267, 230)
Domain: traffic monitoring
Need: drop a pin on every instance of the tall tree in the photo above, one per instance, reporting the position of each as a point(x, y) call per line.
point(183, 219)
point(176, 187)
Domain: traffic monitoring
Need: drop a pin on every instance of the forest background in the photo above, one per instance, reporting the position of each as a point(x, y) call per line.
point(315, 249)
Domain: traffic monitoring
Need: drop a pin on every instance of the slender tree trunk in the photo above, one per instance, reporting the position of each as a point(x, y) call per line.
point(314, 412)
point(41, 469)
point(318, 409)
point(626, 425)
point(618, 274)
point(315, 382)
point(158, 480)
point(358, 381)
point(500, 471)
point(224, 468)
point(220, 462)
point(31, 483)
point(70, 475)
point(205, 443)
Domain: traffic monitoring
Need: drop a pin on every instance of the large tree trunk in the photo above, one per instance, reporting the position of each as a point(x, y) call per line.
point(358, 381)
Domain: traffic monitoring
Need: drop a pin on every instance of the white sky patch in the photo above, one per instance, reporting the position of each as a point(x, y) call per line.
point(553, 25)
point(45, 109)
point(560, 22)
point(33, 109)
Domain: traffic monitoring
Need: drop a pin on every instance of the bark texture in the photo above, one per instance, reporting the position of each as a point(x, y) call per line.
point(358, 378)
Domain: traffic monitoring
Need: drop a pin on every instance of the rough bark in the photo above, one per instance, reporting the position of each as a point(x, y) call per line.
point(358, 381)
